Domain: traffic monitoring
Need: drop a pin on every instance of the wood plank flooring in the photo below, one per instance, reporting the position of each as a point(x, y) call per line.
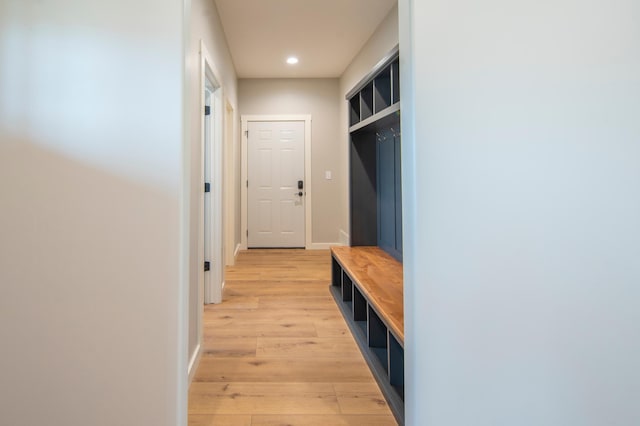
point(277, 351)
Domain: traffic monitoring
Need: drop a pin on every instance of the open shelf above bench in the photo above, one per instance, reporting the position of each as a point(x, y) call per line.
point(377, 91)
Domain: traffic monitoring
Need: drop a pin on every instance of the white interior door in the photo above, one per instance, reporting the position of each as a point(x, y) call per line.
point(276, 187)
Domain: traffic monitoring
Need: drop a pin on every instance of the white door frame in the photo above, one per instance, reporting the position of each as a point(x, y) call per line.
point(230, 185)
point(211, 287)
point(307, 170)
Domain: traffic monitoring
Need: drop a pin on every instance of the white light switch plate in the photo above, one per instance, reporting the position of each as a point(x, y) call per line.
point(327, 174)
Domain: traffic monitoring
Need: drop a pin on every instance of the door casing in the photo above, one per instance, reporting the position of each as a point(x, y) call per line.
point(231, 184)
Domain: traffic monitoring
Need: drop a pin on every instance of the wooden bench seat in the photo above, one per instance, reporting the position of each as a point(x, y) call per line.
point(379, 277)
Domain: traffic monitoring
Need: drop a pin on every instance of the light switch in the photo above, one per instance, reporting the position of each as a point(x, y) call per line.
point(327, 174)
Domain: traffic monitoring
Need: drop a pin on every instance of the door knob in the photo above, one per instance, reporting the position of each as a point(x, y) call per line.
point(299, 194)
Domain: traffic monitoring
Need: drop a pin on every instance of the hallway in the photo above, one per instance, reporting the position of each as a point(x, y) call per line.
point(278, 352)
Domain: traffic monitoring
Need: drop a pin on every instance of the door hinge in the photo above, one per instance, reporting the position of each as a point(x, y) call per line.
point(246, 132)
point(247, 183)
point(207, 266)
point(207, 187)
point(207, 110)
point(247, 232)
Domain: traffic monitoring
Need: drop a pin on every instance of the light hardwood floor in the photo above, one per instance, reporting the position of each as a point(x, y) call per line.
point(278, 352)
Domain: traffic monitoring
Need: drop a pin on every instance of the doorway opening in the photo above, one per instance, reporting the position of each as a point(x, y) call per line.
point(211, 260)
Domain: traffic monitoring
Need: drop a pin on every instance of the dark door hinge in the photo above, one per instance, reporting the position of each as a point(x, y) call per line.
point(207, 110)
point(207, 187)
point(207, 266)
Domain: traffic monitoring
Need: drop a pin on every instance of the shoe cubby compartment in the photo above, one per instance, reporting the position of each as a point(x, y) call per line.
point(336, 274)
point(347, 290)
point(396, 365)
point(377, 335)
point(360, 311)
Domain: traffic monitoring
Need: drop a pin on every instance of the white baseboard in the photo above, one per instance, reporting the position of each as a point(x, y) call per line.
point(193, 363)
point(321, 246)
point(344, 238)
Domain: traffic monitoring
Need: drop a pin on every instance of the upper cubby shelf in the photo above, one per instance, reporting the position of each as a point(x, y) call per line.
point(377, 95)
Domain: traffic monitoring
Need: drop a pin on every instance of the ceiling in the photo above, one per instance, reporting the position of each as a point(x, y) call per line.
point(324, 34)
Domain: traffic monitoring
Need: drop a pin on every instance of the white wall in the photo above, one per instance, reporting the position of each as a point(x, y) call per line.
point(91, 145)
point(522, 215)
point(383, 40)
point(318, 97)
point(204, 25)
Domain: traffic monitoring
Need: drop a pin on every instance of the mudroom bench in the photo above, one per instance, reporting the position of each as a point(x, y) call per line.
point(367, 285)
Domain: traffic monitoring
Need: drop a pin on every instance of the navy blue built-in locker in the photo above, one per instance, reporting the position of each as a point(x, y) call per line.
point(389, 192)
point(398, 194)
point(375, 160)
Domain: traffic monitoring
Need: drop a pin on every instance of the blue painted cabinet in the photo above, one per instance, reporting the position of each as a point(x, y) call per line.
point(375, 160)
point(389, 192)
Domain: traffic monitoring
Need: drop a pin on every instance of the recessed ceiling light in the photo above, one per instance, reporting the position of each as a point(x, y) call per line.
point(292, 60)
